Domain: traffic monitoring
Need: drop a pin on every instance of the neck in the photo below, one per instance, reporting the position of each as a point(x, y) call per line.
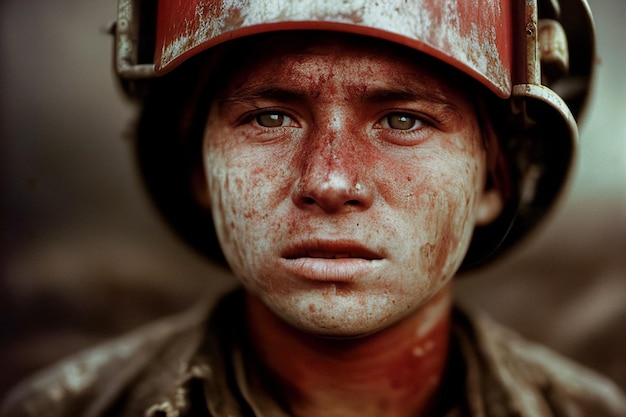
point(395, 372)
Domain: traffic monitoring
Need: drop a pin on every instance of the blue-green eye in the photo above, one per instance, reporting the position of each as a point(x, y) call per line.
point(400, 121)
point(273, 119)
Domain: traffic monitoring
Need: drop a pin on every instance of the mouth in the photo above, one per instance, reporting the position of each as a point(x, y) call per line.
point(331, 250)
point(331, 261)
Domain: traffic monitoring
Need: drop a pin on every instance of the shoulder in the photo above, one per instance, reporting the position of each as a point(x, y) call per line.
point(88, 382)
point(538, 380)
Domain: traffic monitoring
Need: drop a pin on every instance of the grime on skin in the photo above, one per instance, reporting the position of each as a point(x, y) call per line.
point(345, 182)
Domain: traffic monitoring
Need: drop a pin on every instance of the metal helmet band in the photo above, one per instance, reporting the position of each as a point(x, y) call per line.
point(535, 56)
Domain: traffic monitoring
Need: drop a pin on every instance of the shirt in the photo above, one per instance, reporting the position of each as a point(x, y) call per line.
point(197, 364)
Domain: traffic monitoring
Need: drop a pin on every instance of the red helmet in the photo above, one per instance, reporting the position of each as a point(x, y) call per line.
point(534, 56)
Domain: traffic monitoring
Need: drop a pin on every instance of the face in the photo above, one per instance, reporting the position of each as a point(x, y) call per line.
point(345, 182)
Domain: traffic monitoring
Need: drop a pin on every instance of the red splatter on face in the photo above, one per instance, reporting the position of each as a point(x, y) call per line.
point(351, 175)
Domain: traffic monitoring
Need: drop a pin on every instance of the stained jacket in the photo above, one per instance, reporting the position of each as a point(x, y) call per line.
point(196, 364)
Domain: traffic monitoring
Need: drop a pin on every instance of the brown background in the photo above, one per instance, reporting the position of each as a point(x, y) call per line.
point(84, 255)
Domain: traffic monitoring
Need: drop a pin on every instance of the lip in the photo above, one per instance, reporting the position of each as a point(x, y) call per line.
point(330, 261)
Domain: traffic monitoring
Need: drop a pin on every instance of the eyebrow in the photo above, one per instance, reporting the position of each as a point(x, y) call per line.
point(255, 92)
point(413, 93)
point(410, 91)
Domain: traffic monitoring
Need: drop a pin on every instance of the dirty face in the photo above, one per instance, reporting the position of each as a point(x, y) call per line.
point(345, 181)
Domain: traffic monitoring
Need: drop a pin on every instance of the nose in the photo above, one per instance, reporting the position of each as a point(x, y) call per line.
point(332, 178)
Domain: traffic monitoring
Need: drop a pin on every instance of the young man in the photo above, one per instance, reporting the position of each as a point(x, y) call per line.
point(349, 159)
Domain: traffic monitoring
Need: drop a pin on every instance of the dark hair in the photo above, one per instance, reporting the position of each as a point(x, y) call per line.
point(168, 148)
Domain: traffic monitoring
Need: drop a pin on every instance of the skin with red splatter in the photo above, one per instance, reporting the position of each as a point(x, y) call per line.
point(345, 182)
point(394, 372)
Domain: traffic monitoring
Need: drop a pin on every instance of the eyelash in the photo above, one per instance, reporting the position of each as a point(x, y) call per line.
point(416, 133)
point(417, 122)
point(281, 117)
point(253, 119)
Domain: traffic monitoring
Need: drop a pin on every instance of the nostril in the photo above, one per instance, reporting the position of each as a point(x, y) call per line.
point(332, 195)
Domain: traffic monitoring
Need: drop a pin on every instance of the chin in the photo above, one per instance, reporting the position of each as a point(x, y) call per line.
point(332, 330)
point(344, 318)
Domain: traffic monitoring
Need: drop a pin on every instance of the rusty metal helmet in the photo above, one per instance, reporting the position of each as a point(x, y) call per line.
point(534, 57)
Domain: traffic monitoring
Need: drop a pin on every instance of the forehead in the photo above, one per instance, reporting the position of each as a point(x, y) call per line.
point(324, 58)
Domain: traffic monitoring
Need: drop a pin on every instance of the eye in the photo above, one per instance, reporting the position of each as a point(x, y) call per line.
point(273, 119)
point(400, 121)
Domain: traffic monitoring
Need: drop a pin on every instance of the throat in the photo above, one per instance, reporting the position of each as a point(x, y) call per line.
point(396, 372)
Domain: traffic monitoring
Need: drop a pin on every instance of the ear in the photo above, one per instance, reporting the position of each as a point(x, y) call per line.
point(489, 207)
point(200, 189)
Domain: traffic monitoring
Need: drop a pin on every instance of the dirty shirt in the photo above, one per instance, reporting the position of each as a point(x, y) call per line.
point(198, 364)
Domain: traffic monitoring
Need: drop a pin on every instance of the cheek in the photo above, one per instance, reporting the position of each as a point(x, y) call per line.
point(225, 190)
point(448, 228)
point(246, 195)
point(435, 200)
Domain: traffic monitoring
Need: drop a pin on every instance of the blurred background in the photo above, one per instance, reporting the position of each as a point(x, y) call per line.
point(84, 256)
